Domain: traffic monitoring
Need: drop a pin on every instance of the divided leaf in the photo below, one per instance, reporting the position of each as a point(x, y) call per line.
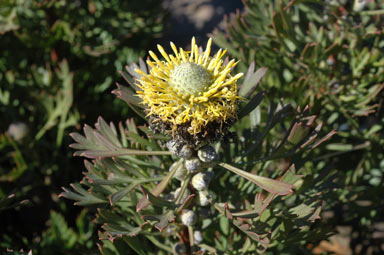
point(104, 142)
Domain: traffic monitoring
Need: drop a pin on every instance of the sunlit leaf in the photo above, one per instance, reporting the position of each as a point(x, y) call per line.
point(270, 185)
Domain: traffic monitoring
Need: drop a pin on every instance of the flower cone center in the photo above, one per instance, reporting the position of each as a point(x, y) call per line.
point(190, 79)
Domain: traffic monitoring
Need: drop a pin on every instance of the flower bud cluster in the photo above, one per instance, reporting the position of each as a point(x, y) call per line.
point(180, 149)
point(194, 163)
point(206, 157)
point(207, 154)
point(200, 181)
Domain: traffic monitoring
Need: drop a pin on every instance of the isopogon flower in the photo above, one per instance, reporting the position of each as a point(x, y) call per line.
point(190, 94)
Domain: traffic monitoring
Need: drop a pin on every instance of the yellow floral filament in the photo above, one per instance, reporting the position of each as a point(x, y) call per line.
point(215, 102)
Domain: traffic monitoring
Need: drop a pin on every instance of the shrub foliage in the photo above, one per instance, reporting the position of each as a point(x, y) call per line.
point(57, 62)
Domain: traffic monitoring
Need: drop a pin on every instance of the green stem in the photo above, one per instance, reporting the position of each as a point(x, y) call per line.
point(155, 179)
point(355, 148)
point(372, 12)
point(191, 237)
point(141, 152)
point(159, 244)
point(182, 190)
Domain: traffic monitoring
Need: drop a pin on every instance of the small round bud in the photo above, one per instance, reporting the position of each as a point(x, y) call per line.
point(359, 5)
point(173, 146)
point(200, 181)
point(180, 173)
point(185, 195)
point(180, 149)
point(204, 198)
point(197, 236)
point(179, 248)
point(207, 154)
point(185, 152)
point(188, 218)
point(193, 165)
point(18, 130)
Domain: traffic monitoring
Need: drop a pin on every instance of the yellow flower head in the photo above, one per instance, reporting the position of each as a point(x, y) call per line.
point(190, 88)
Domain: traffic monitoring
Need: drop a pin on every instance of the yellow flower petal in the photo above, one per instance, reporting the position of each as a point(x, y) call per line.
point(194, 94)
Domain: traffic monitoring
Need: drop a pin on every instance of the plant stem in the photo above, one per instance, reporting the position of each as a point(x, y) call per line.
point(183, 188)
point(372, 12)
point(191, 237)
point(159, 244)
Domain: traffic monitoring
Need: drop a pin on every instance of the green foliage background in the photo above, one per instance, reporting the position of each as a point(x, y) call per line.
point(58, 60)
point(328, 55)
